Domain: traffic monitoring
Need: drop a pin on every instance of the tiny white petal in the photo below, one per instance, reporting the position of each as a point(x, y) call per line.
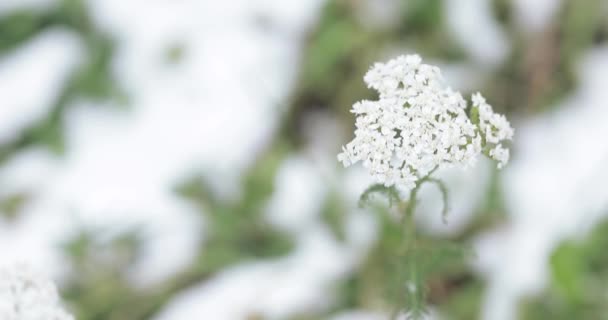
point(24, 294)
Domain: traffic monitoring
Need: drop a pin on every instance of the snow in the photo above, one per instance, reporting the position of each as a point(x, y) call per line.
point(214, 110)
point(472, 24)
point(208, 113)
point(29, 84)
point(534, 16)
point(7, 6)
point(554, 190)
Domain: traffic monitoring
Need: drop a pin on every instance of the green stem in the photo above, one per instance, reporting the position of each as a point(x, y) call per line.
point(444, 196)
point(409, 225)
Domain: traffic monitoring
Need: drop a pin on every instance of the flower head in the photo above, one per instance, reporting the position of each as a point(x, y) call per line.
point(25, 295)
point(495, 128)
point(418, 124)
point(500, 154)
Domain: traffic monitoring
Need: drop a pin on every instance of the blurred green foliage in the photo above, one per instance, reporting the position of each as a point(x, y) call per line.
point(92, 79)
point(579, 278)
point(235, 231)
point(11, 205)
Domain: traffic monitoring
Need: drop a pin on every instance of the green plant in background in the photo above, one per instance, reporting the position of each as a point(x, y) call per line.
point(417, 126)
point(534, 77)
point(92, 79)
point(578, 281)
point(236, 231)
point(403, 266)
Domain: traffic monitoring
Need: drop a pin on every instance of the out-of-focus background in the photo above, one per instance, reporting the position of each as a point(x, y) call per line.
point(176, 160)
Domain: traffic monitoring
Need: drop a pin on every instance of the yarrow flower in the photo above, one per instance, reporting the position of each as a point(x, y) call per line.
point(25, 295)
point(418, 125)
point(494, 128)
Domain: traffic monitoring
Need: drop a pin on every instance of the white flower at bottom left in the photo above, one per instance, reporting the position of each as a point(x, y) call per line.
point(27, 295)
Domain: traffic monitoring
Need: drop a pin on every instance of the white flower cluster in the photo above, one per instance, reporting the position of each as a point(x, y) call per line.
point(418, 124)
point(495, 128)
point(25, 295)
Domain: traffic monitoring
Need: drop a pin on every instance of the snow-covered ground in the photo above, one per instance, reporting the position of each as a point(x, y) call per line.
point(23, 72)
point(208, 113)
point(554, 189)
point(214, 110)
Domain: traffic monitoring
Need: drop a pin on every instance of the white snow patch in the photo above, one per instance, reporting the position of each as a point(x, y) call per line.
point(534, 16)
point(300, 282)
point(472, 24)
point(32, 77)
point(7, 6)
point(554, 189)
point(467, 188)
point(299, 195)
point(211, 112)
